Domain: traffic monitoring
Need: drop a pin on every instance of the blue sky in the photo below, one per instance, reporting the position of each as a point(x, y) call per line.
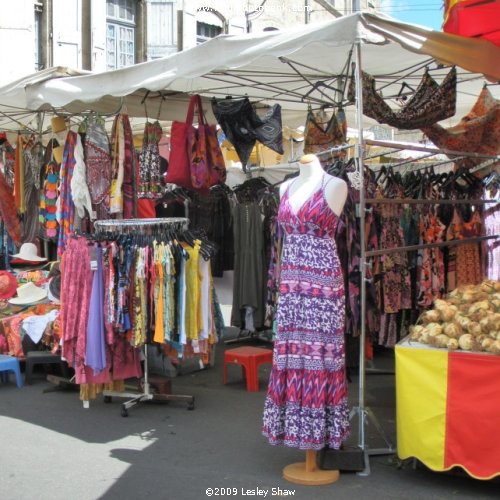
point(425, 12)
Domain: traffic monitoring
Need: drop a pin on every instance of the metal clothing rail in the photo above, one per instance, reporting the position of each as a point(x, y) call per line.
point(117, 223)
point(420, 201)
point(428, 149)
point(335, 149)
point(410, 248)
point(146, 395)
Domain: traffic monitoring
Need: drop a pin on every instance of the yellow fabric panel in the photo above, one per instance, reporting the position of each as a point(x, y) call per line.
point(421, 387)
point(448, 6)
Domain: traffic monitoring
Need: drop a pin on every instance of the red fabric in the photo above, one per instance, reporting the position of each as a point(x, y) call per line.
point(473, 414)
point(8, 211)
point(146, 208)
point(17, 173)
point(474, 18)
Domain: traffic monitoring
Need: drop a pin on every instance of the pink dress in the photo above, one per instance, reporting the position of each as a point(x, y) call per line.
point(306, 404)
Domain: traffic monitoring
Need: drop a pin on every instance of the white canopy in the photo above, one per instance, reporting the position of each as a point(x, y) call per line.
point(272, 67)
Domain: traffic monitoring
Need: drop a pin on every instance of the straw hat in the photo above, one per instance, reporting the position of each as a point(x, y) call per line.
point(58, 124)
point(28, 293)
point(8, 285)
point(28, 252)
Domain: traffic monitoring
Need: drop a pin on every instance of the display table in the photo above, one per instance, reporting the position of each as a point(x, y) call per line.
point(448, 408)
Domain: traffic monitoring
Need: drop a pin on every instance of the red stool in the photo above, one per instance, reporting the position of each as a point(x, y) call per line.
point(250, 358)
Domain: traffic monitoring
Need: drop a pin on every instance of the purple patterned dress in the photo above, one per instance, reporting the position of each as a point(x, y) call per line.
point(306, 404)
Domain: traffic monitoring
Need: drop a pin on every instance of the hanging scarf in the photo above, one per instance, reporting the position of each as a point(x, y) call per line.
point(33, 160)
point(118, 148)
point(130, 169)
point(19, 175)
point(65, 205)
point(243, 127)
point(79, 188)
point(478, 131)
point(8, 211)
point(431, 102)
point(9, 162)
point(48, 201)
point(98, 161)
point(123, 167)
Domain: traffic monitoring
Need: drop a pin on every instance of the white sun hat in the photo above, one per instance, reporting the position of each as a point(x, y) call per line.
point(28, 293)
point(29, 252)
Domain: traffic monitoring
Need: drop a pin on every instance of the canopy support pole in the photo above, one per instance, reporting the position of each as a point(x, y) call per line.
point(363, 412)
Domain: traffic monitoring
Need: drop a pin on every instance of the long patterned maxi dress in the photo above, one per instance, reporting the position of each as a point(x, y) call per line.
point(306, 404)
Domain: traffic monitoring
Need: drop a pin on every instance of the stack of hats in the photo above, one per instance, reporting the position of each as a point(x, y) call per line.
point(28, 294)
point(27, 256)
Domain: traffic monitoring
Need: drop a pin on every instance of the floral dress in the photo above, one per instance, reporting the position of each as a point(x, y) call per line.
point(306, 404)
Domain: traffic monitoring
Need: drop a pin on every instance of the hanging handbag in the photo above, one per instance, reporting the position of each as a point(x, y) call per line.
point(179, 172)
point(196, 161)
point(321, 135)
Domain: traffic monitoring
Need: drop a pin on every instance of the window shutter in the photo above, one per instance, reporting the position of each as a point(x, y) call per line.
point(162, 28)
point(16, 34)
point(67, 28)
point(98, 35)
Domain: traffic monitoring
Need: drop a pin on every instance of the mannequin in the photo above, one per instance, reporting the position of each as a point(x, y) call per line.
point(306, 404)
point(309, 180)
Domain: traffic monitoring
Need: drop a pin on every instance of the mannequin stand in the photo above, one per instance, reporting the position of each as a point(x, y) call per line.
point(307, 472)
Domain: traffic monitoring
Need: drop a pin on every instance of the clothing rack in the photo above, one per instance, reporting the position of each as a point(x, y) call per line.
point(146, 395)
point(363, 412)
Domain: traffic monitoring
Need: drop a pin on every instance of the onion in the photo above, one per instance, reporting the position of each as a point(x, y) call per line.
point(453, 330)
point(425, 336)
point(485, 325)
point(495, 347)
point(486, 344)
point(474, 328)
point(441, 304)
point(466, 342)
point(462, 320)
point(441, 340)
point(452, 344)
point(429, 317)
point(449, 313)
point(416, 332)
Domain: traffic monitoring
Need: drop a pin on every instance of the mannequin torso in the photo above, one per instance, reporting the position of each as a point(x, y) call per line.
point(311, 178)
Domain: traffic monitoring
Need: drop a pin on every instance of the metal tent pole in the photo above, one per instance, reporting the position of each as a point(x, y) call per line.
point(364, 413)
point(358, 153)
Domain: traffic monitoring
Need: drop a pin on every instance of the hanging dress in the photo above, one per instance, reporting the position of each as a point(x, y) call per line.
point(65, 205)
point(98, 162)
point(306, 404)
point(150, 178)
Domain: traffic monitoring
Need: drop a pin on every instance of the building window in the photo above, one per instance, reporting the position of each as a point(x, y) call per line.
point(120, 33)
point(38, 36)
point(205, 31)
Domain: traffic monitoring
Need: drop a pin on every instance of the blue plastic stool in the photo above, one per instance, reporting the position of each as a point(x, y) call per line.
point(10, 364)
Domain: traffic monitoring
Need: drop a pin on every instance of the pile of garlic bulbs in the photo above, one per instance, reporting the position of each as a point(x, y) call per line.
point(468, 319)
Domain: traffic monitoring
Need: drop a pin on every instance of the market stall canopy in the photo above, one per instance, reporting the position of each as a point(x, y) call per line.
point(296, 67)
point(13, 97)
